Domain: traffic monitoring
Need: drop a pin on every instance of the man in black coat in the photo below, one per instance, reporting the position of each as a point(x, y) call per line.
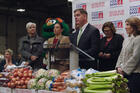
point(87, 38)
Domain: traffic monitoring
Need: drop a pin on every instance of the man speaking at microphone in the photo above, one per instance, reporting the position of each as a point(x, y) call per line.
point(87, 38)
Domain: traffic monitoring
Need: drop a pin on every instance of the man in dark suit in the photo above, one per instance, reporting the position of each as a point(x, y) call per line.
point(87, 38)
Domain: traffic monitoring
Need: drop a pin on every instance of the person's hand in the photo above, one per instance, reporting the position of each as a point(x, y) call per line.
point(26, 63)
point(120, 71)
point(33, 58)
point(5, 65)
point(107, 55)
point(101, 54)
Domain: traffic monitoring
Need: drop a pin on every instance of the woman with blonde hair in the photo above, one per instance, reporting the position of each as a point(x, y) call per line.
point(128, 63)
point(8, 61)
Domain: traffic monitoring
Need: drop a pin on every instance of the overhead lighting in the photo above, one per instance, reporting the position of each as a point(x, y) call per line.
point(21, 10)
point(70, 0)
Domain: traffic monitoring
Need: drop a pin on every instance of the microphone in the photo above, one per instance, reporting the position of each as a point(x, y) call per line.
point(80, 50)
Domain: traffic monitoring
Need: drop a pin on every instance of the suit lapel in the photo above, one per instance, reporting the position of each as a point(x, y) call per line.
point(84, 34)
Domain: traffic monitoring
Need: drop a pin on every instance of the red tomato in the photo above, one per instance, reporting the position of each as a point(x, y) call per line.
point(24, 86)
point(16, 82)
point(17, 78)
point(25, 69)
point(22, 82)
point(26, 82)
point(30, 74)
point(30, 71)
point(20, 75)
point(17, 86)
point(25, 75)
point(13, 79)
point(23, 78)
point(12, 85)
point(28, 78)
point(15, 74)
point(9, 84)
point(21, 70)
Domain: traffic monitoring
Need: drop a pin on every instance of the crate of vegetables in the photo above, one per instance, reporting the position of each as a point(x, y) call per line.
point(19, 78)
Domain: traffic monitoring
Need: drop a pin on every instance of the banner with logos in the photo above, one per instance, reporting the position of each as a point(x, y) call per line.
point(101, 11)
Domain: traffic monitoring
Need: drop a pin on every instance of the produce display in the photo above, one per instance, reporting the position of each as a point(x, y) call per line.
point(40, 72)
point(51, 73)
point(105, 82)
point(31, 84)
point(59, 84)
point(50, 80)
point(48, 85)
point(4, 79)
point(41, 83)
point(19, 78)
point(75, 81)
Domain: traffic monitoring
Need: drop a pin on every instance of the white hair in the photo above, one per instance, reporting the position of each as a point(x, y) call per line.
point(29, 24)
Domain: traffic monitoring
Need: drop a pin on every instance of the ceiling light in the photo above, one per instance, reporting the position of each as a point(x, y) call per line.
point(70, 0)
point(21, 10)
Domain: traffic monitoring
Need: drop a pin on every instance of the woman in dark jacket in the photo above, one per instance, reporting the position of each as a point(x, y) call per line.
point(110, 47)
point(31, 47)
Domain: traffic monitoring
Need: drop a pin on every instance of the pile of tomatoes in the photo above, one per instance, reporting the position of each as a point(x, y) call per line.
point(19, 78)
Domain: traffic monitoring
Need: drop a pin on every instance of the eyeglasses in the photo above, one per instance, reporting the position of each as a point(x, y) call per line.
point(107, 31)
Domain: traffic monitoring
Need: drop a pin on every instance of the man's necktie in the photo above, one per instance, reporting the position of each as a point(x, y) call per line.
point(79, 35)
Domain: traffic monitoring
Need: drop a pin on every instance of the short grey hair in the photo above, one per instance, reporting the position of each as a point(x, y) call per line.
point(10, 51)
point(29, 24)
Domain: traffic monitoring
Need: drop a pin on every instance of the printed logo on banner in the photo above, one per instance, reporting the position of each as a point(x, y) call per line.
point(118, 24)
point(133, 0)
point(116, 3)
point(98, 15)
point(82, 5)
point(134, 10)
point(99, 26)
point(98, 4)
point(116, 13)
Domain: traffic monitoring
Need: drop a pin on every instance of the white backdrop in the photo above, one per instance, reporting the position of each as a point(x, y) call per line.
point(101, 11)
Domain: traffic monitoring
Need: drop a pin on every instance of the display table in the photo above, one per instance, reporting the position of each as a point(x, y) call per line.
point(45, 91)
point(9, 90)
point(24, 91)
point(5, 90)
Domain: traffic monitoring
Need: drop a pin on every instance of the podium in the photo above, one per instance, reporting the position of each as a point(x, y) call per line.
point(62, 55)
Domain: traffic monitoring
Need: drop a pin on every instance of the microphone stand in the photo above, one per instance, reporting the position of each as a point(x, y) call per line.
point(80, 50)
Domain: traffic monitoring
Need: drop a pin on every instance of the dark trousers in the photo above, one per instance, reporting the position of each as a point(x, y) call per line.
point(37, 64)
point(84, 64)
point(134, 82)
